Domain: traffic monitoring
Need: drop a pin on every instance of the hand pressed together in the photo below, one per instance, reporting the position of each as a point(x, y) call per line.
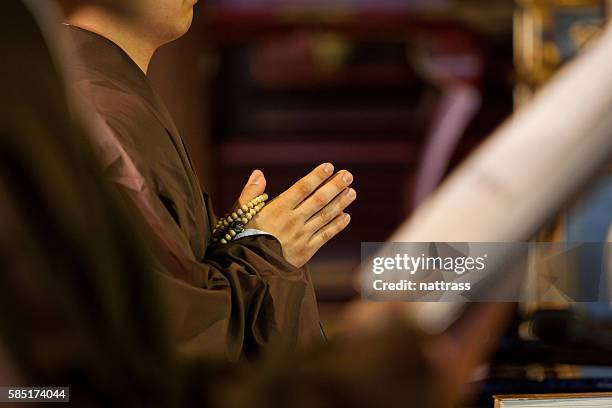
point(308, 214)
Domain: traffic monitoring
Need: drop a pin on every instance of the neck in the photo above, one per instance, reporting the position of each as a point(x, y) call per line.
point(115, 28)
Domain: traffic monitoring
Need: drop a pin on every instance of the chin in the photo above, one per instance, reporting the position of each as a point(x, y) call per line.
point(183, 28)
point(174, 29)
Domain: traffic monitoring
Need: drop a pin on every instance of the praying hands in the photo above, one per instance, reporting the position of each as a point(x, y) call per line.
point(307, 215)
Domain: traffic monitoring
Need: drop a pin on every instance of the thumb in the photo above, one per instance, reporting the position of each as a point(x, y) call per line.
point(254, 187)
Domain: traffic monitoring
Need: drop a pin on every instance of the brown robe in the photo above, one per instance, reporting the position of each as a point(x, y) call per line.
point(225, 302)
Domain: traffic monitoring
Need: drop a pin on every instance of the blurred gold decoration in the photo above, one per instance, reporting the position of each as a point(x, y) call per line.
point(330, 51)
point(549, 33)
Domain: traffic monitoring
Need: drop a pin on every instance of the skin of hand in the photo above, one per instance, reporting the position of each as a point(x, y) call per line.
point(307, 215)
point(253, 188)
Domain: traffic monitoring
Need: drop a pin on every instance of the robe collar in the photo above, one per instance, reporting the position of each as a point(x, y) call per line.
point(97, 55)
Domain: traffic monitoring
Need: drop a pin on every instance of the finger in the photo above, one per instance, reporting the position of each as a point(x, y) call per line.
point(325, 194)
point(322, 236)
point(253, 188)
point(332, 210)
point(307, 185)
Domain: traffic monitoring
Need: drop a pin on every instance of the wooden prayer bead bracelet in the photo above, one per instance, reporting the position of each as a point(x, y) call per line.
point(228, 227)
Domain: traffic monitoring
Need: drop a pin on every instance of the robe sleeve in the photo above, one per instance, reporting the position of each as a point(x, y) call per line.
point(240, 299)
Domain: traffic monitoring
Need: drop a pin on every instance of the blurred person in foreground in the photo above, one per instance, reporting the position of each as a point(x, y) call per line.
point(225, 301)
point(79, 306)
